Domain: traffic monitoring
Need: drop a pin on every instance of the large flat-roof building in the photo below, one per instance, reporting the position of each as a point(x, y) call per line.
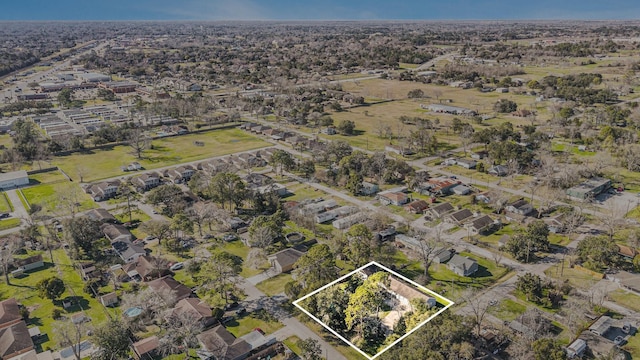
point(590, 188)
point(13, 179)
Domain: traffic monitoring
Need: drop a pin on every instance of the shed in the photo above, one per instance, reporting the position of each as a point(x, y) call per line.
point(601, 326)
point(109, 299)
point(284, 260)
point(461, 189)
point(146, 348)
point(13, 179)
point(576, 348)
point(463, 266)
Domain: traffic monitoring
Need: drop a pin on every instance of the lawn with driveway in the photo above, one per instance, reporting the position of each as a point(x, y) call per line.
point(242, 325)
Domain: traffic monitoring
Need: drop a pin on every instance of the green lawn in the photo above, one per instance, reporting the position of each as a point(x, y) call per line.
point(274, 285)
point(507, 310)
point(48, 195)
point(258, 319)
point(291, 343)
point(344, 349)
point(626, 299)
point(105, 163)
point(239, 249)
point(9, 223)
point(48, 177)
point(5, 204)
point(579, 279)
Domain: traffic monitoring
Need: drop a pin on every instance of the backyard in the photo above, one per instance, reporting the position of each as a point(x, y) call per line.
point(258, 319)
point(274, 285)
point(50, 197)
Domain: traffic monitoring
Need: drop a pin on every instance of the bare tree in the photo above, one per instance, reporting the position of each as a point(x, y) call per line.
point(256, 258)
point(478, 305)
point(8, 248)
point(138, 141)
point(612, 218)
point(201, 213)
point(181, 330)
point(427, 249)
point(69, 334)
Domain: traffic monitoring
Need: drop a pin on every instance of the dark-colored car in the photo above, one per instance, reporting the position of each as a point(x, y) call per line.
point(231, 306)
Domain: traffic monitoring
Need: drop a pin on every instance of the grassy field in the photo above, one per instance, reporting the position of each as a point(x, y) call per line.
point(577, 278)
point(105, 163)
point(292, 343)
point(5, 204)
point(508, 310)
point(274, 285)
point(258, 319)
point(626, 299)
point(241, 250)
point(50, 177)
point(9, 223)
point(48, 195)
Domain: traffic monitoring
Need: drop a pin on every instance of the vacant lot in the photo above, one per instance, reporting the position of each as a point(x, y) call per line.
point(49, 196)
point(259, 319)
point(101, 164)
point(274, 285)
point(580, 279)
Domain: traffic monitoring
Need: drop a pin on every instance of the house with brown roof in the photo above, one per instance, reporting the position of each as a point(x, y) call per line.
point(393, 198)
point(627, 252)
point(14, 335)
point(460, 217)
point(168, 284)
point(417, 207)
point(441, 210)
point(405, 293)
point(181, 174)
point(101, 215)
point(116, 232)
point(109, 299)
point(219, 344)
point(196, 309)
point(146, 349)
point(146, 181)
point(147, 268)
point(284, 260)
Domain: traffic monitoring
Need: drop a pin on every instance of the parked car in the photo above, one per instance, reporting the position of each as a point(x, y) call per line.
point(618, 340)
point(208, 236)
point(229, 237)
point(231, 306)
point(4, 215)
point(176, 266)
point(626, 328)
point(241, 311)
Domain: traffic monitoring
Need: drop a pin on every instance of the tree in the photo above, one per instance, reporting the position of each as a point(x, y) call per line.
point(310, 349)
point(130, 196)
point(478, 304)
point(530, 285)
point(534, 238)
point(346, 127)
point(160, 229)
point(307, 168)
point(69, 334)
point(200, 213)
point(597, 252)
point(138, 141)
point(50, 288)
point(266, 229)
point(65, 97)
point(316, 267)
point(360, 244)
point(427, 248)
point(170, 196)
point(415, 94)
point(366, 300)
point(505, 106)
point(9, 246)
point(180, 335)
point(112, 340)
point(227, 189)
point(282, 160)
point(83, 233)
point(220, 274)
point(354, 184)
point(548, 349)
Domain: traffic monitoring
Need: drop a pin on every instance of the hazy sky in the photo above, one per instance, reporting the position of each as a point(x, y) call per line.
point(316, 9)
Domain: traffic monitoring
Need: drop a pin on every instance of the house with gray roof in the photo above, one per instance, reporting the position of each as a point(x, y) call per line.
point(462, 266)
point(284, 260)
point(219, 344)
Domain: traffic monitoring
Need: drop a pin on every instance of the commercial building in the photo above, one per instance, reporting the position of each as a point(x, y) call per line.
point(13, 179)
point(590, 188)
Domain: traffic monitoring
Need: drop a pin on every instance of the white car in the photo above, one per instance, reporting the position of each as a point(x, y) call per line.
point(176, 266)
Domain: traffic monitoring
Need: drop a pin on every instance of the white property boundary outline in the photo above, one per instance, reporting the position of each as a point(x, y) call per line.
point(436, 295)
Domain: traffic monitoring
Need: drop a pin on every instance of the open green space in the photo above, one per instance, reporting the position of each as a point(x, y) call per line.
point(274, 285)
point(258, 319)
point(239, 249)
point(626, 299)
point(9, 223)
point(5, 204)
point(292, 343)
point(507, 310)
point(105, 163)
point(48, 177)
point(577, 278)
point(58, 197)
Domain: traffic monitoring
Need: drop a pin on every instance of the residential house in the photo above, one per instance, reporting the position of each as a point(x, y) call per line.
point(257, 340)
point(101, 215)
point(404, 293)
point(576, 348)
point(627, 252)
point(462, 266)
point(369, 189)
point(276, 188)
point(251, 160)
point(441, 210)
point(103, 191)
point(393, 198)
point(388, 234)
point(417, 207)
point(438, 186)
point(110, 299)
point(30, 263)
point(147, 348)
point(14, 335)
point(196, 310)
point(116, 232)
point(481, 224)
point(461, 189)
point(146, 181)
point(88, 270)
point(443, 255)
point(520, 207)
point(181, 174)
point(283, 260)
point(147, 268)
point(348, 221)
point(400, 150)
point(128, 251)
point(601, 326)
point(589, 189)
point(460, 217)
point(219, 344)
point(502, 242)
point(479, 155)
point(170, 285)
point(466, 163)
point(498, 170)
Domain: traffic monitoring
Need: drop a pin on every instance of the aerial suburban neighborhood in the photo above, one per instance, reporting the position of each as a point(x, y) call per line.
point(217, 190)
